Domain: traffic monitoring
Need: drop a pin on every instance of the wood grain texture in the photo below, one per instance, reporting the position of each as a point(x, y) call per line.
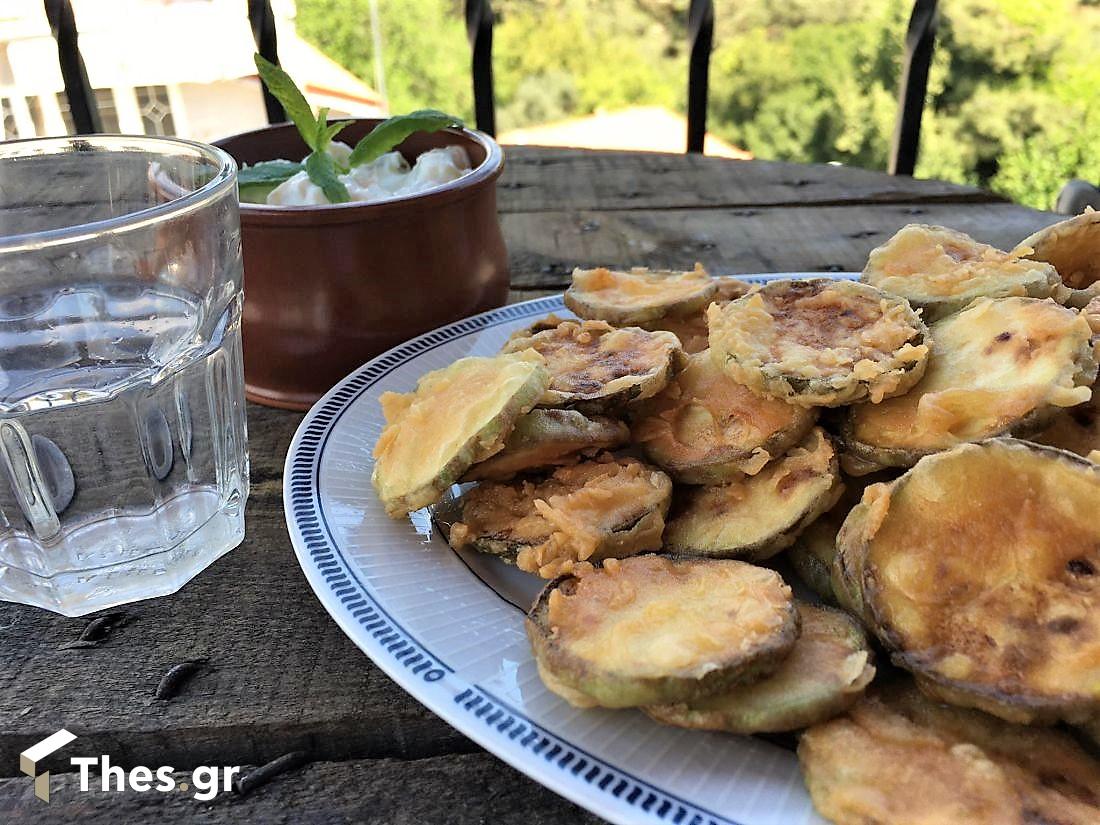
point(440, 791)
point(279, 674)
point(543, 179)
point(545, 247)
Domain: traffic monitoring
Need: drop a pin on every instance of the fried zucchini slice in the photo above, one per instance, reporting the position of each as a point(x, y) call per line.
point(1076, 429)
point(692, 329)
point(705, 428)
point(820, 342)
point(941, 271)
point(596, 368)
point(1091, 314)
point(1073, 247)
point(980, 570)
point(731, 288)
point(584, 513)
point(651, 629)
point(756, 517)
point(455, 417)
point(824, 674)
point(1001, 366)
point(549, 438)
point(640, 295)
point(898, 759)
point(550, 321)
point(812, 557)
point(814, 552)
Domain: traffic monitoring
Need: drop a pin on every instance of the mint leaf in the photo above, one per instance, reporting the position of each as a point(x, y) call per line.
point(256, 181)
point(325, 133)
point(294, 103)
point(316, 131)
point(321, 168)
point(389, 133)
point(268, 171)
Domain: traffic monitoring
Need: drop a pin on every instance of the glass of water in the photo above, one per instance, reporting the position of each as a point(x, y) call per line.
point(123, 459)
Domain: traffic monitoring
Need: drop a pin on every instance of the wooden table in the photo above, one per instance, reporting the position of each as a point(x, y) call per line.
point(279, 676)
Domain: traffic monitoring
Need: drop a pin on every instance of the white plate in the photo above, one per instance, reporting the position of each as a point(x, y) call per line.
point(448, 627)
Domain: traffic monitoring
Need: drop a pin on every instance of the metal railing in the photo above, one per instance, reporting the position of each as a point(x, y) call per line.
point(700, 40)
point(920, 41)
point(79, 92)
point(262, 20)
point(74, 75)
point(479, 30)
point(919, 45)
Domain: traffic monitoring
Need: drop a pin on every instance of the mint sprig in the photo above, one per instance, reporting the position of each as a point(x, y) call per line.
point(322, 170)
point(390, 133)
point(316, 131)
point(257, 181)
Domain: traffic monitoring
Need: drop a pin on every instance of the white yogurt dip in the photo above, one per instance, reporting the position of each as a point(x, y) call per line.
point(385, 177)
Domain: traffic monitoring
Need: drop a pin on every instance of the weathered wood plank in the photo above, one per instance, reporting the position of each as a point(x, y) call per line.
point(517, 295)
point(543, 179)
point(281, 675)
point(453, 789)
point(545, 246)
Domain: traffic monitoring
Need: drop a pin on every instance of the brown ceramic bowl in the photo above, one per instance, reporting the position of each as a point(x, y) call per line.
point(329, 287)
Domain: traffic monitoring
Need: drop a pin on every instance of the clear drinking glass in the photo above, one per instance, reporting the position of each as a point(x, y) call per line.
point(123, 459)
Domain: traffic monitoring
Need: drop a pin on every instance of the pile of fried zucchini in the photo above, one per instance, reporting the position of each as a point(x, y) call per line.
point(921, 448)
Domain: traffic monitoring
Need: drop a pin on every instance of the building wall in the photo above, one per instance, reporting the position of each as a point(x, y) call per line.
point(148, 83)
point(216, 110)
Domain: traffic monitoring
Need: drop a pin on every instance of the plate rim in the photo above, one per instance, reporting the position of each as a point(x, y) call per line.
point(364, 620)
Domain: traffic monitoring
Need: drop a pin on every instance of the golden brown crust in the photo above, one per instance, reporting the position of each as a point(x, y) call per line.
point(980, 570)
point(550, 438)
point(1001, 366)
point(759, 516)
point(820, 342)
point(1073, 247)
point(814, 552)
point(579, 515)
point(1076, 429)
point(542, 324)
point(595, 367)
point(898, 759)
point(639, 295)
point(731, 288)
point(1091, 313)
point(652, 629)
point(691, 329)
point(824, 674)
point(705, 428)
point(941, 271)
point(455, 417)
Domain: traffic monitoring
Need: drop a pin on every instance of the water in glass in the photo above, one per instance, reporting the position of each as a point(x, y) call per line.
point(123, 460)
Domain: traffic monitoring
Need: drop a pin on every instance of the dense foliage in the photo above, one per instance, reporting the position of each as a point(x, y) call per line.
point(1013, 100)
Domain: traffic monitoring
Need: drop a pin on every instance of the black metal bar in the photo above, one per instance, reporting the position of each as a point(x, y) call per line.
point(700, 40)
point(78, 90)
point(262, 20)
point(920, 40)
point(479, 31)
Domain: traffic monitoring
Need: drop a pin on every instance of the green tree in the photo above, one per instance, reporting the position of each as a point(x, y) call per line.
point(1013, 100)
point(424, 51)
